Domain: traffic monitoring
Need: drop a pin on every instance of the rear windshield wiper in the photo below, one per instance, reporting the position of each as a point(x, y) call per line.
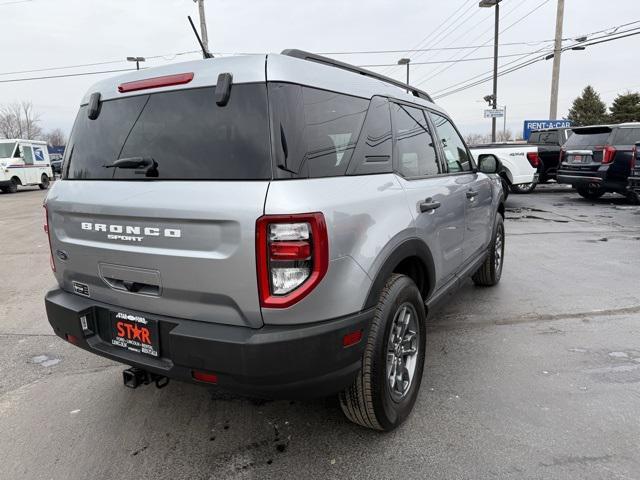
point(148, 166)
point(133, 162)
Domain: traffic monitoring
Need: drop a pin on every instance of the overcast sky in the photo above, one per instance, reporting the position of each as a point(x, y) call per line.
point(38, 34)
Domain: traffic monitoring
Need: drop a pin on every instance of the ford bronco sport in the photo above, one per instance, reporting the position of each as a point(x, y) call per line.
point(277, 226)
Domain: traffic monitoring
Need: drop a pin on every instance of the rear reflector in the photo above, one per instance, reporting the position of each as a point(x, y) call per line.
point(351, 338)
point(156, 82)
point(204, 376)
point(71, 338)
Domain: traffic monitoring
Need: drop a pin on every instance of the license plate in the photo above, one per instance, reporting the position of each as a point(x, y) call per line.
point(578, 159)
point(135, 333)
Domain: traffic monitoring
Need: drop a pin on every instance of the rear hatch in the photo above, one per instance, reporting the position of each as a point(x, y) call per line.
point(586, 149)
point(170, 228)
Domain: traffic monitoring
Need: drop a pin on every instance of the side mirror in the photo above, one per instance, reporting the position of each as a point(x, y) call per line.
point(488, 163)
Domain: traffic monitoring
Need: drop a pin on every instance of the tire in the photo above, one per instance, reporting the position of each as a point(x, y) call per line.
point(371, 401)
point(490, 272)
point(13, 186)
point(633, 198)
point(590, 193)
point(44, 182)
point(524, 188)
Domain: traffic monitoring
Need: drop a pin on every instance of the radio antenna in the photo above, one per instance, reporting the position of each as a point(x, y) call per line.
point(205, 54)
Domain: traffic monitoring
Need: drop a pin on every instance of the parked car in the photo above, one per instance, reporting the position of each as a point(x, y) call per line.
point(597, 159)
point(277, 226)
point(24, 162)
point(56, 163)
point(520, 163)
point(634, 180)
point(549, 142)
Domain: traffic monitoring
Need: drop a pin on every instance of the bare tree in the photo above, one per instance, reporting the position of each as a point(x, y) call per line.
point(477, 139)
point(20, 120)
point(56, 138)
point(504, 136)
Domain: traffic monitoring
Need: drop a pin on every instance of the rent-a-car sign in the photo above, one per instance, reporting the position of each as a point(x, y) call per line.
point(530, 125)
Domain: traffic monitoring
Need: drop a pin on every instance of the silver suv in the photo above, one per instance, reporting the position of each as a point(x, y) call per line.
point(278, 226)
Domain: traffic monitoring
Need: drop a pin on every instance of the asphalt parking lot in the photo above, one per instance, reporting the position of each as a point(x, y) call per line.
point(536, 378)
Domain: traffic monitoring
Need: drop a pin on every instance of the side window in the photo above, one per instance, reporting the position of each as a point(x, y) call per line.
point(373, 151)
point(315, 131)
point(38, 154)
point(414, 151)
point(28, 155)
point(455, 152)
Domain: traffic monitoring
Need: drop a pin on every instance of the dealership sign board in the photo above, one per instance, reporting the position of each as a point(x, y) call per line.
point(530, 125)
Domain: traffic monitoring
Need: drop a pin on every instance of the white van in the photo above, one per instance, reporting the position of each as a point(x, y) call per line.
point(24, 162)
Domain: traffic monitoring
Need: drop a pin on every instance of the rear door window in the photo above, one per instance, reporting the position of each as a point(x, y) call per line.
point(626, 136)
point(315, 131)
point(415, 152)
point(456, 154)
point(183, 131)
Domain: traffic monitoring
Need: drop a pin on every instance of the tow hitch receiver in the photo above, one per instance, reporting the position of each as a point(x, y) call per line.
point(134, 377)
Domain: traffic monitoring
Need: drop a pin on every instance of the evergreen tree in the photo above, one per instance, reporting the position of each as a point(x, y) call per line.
point(626, 108)
point(588, 109)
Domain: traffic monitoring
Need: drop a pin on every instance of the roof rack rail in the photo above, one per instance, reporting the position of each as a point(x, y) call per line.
point(292, 52)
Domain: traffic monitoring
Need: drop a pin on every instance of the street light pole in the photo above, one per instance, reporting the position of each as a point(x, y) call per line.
point(557, 52)
point(405, 61)
point(137, 60)
point(487, 4)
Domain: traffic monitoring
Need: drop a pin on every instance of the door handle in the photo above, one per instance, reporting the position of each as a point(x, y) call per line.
point(471, 194)
point(429, 205)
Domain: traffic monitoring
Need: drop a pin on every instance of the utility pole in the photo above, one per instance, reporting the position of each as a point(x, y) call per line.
point(203, 25)
point(557, 52)
point(488, 4)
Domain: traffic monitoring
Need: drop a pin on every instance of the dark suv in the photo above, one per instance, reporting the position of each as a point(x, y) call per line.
point(549, 142)
point(634, 179)
point(598, 159)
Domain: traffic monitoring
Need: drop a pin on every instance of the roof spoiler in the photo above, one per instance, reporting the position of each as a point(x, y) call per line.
point(312, 57)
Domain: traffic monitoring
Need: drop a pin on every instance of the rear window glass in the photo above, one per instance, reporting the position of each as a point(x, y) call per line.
point(183, 132)
point(588, 138)
point(315, 131)
point(626, 136)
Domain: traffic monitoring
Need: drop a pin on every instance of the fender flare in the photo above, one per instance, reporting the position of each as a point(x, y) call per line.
point(411, 247)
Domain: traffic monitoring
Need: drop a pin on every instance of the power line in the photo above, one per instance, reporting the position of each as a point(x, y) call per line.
point(544, 55)
point(66, 75)
point(17, 1)
point(435, 62)
point(527, 63)
point(437, 72)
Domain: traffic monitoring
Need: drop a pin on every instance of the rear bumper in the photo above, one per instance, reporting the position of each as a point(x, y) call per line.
point(584, 178)
point(271, 362)
point(634, 184)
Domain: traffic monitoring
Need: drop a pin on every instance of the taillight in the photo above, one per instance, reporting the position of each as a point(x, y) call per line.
point(534, 159)
point(47, 231)
point(292, 255)
point(608, 153)
point(634, 157)
point(561, 156)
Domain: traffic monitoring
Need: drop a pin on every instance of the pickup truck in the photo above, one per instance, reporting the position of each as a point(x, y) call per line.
point(549, 142)
point(520, 163)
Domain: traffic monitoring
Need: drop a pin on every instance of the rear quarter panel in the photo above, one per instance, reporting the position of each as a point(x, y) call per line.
point(363, 215)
